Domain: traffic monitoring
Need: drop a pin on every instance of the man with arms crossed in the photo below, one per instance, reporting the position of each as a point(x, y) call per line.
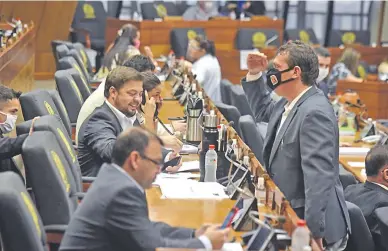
point(301, 146)
point(114, 213)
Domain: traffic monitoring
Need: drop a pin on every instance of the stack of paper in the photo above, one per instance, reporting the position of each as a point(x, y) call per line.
point(191, 189)
point(189, 166)
point(166, 177)
point(354, 151)
point(189, 149)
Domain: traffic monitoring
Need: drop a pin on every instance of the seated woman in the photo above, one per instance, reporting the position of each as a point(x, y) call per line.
point(344, 69)
point(127, 42)
point(202, 52)
point(151, 105)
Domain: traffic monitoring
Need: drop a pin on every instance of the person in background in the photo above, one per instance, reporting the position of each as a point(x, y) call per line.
point(383, 70)
point(206, 67)
point(324, 59)
point(237, 9)
point(10, 147)
point(373, 193)
point(203, 10)
point(127, 42)
point(115, 217)
point(344, 69)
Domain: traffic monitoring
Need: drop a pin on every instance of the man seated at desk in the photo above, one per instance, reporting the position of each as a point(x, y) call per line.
point(203, 10)
point(373, 193)
point(98, 133)
point(116, 217)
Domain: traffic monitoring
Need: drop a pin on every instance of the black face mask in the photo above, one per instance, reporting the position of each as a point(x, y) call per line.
point(274, 78)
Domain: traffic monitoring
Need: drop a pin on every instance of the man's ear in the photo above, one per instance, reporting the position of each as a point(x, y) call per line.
point(133, 160)
point(297, 71)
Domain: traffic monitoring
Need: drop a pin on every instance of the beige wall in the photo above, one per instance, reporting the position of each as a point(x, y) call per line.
point(375, 22)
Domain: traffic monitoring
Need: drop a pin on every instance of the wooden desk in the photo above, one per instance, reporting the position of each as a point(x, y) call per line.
point(371, 55)
point(356, 171)
point(373, 93)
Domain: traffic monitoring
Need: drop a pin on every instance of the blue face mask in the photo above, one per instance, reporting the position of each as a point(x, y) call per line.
point(274, 78)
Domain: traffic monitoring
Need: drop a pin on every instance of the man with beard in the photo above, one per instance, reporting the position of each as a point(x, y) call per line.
point(123, 93)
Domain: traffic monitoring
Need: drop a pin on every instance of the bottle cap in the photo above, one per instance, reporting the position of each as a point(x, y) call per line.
point(301, 223)
point(212, 147)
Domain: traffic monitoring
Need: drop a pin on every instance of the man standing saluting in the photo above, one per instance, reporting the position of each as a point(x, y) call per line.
point(301, 146)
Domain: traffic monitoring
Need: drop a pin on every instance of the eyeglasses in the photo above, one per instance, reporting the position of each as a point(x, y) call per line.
point(158, 163)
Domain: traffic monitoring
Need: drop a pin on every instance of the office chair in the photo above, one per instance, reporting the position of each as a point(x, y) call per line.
point(20, 223)
point(239, 100)
point(179, 39)
point(81, 82)
point(85, 59)
point(54, 45)
point(347, 179)
point(305, 35)
point(70, 63)
point(342, 37)
point(70, 94)
point(61, 51)
point(251, 136)
point(231, 114)
point(40, 103)
point(248, 39)
point(75, 54)
point(158, 9)
point(50, 177)
point(361, 238)
point(53, 124)
point(382, 218)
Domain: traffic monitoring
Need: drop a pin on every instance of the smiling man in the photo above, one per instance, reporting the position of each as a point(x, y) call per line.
point(98, 133)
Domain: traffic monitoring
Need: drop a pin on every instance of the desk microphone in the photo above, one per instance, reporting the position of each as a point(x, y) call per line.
point(271, 40)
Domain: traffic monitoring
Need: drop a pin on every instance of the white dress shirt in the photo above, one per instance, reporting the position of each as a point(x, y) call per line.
point(205, 241)
point(125, 122)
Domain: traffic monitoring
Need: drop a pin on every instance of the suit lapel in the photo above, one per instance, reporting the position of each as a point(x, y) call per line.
point(107, 108)
point(286, 123)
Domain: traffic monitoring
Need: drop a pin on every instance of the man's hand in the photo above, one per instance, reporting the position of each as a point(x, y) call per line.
point(319, 243)
point(149, 107)
point(217, 236)
point(179, 125)
point(32, 125)
point(201, 231)
point(256, 62)
point(172, 142)
point(173, 169)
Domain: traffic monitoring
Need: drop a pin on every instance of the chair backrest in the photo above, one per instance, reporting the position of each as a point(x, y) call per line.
point(362, 70)
point(75, 54)
point(382, 218)
point(85, 59)
point(64, 116)
point(179, 39)
point(361, 238)
point(54, 45)
point(53, 124)
point(62, 51)
point(158, 9)
point(70, 63)
point(347, 179)
point(82, 83)
point(231, 114)
point(50, 176)
point(90, 15)
point(251, 136)
point(248, 39)
point(70, 94)
point(226, 90)
point(305, 35)
point(341, 37)
point(20, 223)
point(239, 100)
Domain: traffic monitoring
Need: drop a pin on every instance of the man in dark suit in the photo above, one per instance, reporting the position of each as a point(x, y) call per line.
point(301, 146)
point(115, 217)
point(98, 133)
point(9, 147)
point(373, 193)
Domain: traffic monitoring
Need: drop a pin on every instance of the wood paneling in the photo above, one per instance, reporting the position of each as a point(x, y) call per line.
point(52, 20)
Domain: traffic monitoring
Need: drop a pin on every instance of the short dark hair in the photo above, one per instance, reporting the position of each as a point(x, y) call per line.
point(140, 63)
point(206, 44)
point(119, 76)
point(376, 159)
point(150, 81)
point(133, 139)
point(302, 55)
point(323, 52)
point(7, 93)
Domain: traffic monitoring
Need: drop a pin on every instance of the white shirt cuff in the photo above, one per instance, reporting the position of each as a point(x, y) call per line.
point(253, 77)
point(167, 158)
point(206, 242)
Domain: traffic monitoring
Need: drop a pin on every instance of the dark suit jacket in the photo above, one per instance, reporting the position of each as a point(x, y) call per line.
point(10, 147)
point(96, 138)
point(303, 158)
point(368, 197)
point(116, 218)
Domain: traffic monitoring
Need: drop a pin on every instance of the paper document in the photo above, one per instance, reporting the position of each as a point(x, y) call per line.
point(353, 151)
point(189, 149)
point(167, 177)
point(189, 166)
point(191, 189)
point(356, 164)
point(233, 246)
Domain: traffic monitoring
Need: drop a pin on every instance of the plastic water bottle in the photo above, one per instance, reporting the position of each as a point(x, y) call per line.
point(300, 237)
point(210, 164)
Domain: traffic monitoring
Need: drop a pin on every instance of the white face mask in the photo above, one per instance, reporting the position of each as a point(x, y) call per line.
point(323, 72)
point(9, 123)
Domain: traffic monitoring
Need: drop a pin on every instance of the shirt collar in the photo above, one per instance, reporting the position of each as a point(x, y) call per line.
point(128, 176)
point(123, 120)
point(288, 107)
point(381, 185)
